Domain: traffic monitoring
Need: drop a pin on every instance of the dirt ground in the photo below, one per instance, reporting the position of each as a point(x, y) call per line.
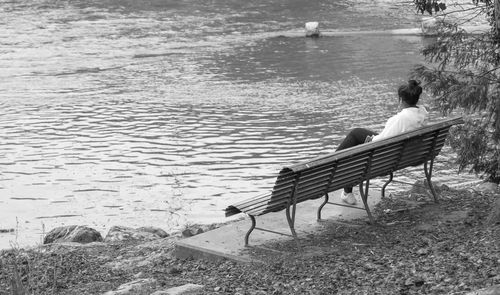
point(416, 247)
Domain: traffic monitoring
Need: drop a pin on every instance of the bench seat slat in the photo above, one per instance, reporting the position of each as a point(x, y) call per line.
point(358, 164)
point(317, 187)
point(305, 176)
point(310, 195)
point(319, 180)
point(277, 196)
point(349, 174)
point(349, 163)
point(261, 201)
point(388, 161)
point(382, 169)
point(249, 202)
point(283, 186)
point(275, 204)
point(415, 154)
point(282, 189)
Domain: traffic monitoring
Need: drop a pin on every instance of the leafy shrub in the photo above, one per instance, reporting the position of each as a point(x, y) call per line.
point(463, 74)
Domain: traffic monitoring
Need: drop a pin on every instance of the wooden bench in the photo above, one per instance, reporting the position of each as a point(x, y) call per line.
point(349, 167)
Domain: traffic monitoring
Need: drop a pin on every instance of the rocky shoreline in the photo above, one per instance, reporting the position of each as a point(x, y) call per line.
point(419, 247)
point(123, 249)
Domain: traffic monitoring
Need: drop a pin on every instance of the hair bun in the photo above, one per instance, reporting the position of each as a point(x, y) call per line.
point(413, 83)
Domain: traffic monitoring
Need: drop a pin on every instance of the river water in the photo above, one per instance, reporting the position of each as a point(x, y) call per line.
point(163, 112)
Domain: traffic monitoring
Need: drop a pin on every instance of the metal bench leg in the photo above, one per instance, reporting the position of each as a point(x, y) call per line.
point(428, 176)
point(391, 176)
point(364, 196)
point(254, 223)
point(291, 220)
point(322, 205)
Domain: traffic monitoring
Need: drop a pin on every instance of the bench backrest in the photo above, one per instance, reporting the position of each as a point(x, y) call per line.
point(314, 178)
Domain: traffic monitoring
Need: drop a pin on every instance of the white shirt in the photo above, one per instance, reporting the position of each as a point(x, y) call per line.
point(407, 120)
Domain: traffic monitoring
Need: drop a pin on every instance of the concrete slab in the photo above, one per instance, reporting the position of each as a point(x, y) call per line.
point(228, 241)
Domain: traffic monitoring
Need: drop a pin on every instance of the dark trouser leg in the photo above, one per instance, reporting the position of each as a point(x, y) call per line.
point(355, 137)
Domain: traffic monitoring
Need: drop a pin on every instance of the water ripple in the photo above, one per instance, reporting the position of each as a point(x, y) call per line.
point(160, 112)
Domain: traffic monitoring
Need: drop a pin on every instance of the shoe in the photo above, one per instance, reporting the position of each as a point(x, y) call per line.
point(348, 198)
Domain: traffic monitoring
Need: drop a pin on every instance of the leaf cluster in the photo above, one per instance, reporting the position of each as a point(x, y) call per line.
point(463, 74)
point(429, 6)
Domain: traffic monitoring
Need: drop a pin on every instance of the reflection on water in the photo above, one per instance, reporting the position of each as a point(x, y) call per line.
point(161, 113)
point(324, 59)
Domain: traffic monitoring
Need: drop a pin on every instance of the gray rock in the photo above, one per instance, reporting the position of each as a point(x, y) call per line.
point(197, 229)
point(493, 290)
point(189, 232)
point(154, 230)
point(488, 187)
point(133, 287)
point(122, 233)
point(72, 233)
point(184, 289)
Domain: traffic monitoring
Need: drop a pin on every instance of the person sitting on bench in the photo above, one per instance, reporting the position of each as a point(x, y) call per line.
point(409, 118)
